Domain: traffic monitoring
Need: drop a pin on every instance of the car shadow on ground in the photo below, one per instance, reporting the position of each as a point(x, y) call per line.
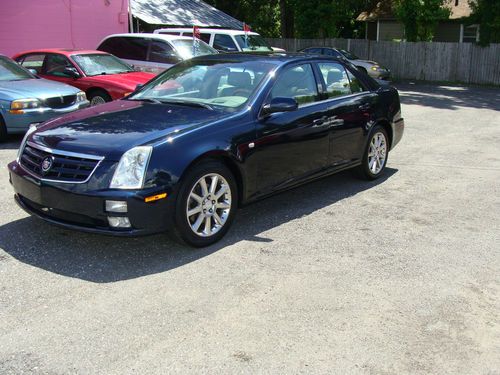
point(12, 142)
point(104, 259)
point(449, 96)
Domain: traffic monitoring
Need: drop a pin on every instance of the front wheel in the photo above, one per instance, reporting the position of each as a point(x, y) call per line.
point(206, 204)
point(97, 97)
point(375, 156)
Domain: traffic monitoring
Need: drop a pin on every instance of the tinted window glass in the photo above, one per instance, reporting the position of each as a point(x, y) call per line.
point(356, 85)
point(170, 32)
point(126, 48)
point(224, 42)
point(313, 50)
point(55, 65)
point(34, 62)
point(186, 48)
point(205, 37)
point(162, 52)
point(332, 52)
point(336, 80)
point(298, 83)
point(252, 43)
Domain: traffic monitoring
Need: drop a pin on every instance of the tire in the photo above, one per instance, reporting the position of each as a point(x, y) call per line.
point(194, 206)
point(96, 97)
point(3, 130)
point(375, 155)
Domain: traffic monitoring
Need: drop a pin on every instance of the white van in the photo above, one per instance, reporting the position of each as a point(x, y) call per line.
point(150, 52)
point(225, 40)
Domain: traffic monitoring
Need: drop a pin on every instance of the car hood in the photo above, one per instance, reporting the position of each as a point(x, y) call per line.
point(111, 129)
point(34, 88)
point(128, 81)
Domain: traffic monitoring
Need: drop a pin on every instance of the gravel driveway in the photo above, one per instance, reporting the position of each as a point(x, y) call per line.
point(340, 276)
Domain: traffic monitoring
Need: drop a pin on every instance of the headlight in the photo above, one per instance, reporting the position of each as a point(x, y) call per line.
point(375, 67)
point(31, 129)
point(17, 106)
point(131, 169)
point(81, 97)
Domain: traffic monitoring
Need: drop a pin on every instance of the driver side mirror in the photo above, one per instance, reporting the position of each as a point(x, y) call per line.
point(280, 104)
point(71, 73)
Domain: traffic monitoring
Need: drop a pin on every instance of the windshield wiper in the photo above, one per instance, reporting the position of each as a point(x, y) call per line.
point(149, 100)
point(187, 103)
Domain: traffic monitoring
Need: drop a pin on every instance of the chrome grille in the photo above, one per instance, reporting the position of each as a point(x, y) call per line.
point(64, 167)
point(60, 101)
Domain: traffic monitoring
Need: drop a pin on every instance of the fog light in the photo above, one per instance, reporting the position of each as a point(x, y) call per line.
point(118, 222)
point(116, 206)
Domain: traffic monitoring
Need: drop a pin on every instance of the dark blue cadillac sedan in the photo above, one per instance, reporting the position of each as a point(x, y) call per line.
point(209, 134)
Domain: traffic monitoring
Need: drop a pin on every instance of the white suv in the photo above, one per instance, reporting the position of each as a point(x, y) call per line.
point(225, 40)
point(152, 52)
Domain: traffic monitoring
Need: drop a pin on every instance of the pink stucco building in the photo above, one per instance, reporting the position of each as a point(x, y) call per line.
point(31, 24)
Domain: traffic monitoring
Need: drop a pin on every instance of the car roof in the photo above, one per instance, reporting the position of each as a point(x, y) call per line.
point(166, 37)
point(279, 58)
point(62, 51)
point(220, 31)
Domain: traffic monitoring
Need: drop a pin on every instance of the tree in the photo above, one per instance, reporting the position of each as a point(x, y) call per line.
point(420, 17)
point(487, 14)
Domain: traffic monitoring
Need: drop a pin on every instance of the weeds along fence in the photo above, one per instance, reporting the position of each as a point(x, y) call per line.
point(427, 61)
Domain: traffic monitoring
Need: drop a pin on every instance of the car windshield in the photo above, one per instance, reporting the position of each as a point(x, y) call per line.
point(186, 49)
point(348, 55)
point(100, 63)
point(11, 71)
point(252, 43)
point(224, 84)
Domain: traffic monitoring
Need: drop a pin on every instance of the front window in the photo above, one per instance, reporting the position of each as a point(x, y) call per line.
point(10, 71)
point(253, 43)
point(186, 49)
point(97, 64)
point(219, 84)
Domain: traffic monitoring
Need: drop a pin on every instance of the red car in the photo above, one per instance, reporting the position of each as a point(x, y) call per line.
point(103, 77)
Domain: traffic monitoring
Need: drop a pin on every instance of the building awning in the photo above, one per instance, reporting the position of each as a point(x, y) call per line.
point(182, 13)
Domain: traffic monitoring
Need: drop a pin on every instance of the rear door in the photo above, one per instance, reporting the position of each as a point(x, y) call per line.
point(349, 108)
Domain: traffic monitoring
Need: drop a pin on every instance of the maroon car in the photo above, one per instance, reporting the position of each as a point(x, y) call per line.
point(103, 77)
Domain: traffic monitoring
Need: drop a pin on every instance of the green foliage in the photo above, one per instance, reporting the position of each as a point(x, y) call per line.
point(487, 14)
point(420, 17)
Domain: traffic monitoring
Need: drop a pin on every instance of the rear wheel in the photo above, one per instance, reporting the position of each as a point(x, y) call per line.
point(97, 97)
point(376, 154)
point(206, 204)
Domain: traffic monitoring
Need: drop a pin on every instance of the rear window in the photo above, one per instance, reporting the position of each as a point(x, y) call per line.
point(126, 47)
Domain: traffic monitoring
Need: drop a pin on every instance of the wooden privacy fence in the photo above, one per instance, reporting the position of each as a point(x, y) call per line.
point(427, 61)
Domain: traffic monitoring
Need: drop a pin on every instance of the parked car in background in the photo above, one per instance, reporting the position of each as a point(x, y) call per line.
point(153, 52)
point(372, 68)
point(102, 76)
point(170, 157)
point(28, 100)
point(225, 40)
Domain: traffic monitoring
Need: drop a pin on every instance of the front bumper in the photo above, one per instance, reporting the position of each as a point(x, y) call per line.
point(58, 204)
point(19, 123)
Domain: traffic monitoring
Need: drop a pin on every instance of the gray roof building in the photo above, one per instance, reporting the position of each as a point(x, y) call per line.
point(182, 13)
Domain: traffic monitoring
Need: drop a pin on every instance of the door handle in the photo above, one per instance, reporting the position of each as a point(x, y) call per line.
point(365, 106)
point(320, 122)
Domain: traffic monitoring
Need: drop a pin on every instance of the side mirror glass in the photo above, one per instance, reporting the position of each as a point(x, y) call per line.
point(139, 86)
point(280, 104)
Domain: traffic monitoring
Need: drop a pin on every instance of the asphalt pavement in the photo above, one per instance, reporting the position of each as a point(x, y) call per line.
point(340, 276)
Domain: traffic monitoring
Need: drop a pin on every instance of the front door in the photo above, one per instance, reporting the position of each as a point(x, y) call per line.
point(292, 145)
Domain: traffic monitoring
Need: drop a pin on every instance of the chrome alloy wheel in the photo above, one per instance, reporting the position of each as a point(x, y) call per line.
point(97, 100)
point(377, 153)
point(208, 205)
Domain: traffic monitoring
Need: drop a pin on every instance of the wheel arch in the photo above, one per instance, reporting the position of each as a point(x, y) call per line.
point(228, 161)
point(384, 123)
